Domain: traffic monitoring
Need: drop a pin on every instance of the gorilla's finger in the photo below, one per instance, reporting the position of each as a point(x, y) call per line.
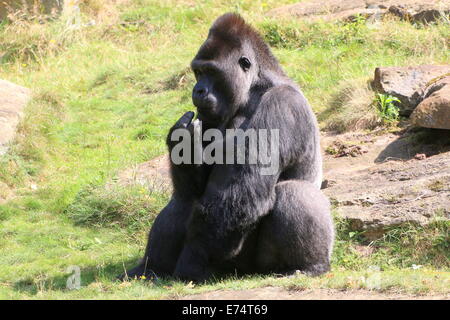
point(196, 123)
point(185, 120)
point(195, 126)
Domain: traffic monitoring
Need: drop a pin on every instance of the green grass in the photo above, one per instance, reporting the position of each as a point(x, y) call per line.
point(104, 97)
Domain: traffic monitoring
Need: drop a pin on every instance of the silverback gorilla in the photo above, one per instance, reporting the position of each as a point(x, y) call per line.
point(229, 218)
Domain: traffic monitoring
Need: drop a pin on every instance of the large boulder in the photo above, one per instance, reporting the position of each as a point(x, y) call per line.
point(423, 11)
point(434, 110)
point(430, 15)
point(407, 83)
point(13, 99)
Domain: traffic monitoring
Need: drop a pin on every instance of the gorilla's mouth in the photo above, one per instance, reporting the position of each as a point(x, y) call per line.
point(202, 109)
point(204, 114)
point(208, 116)
point(207, 109)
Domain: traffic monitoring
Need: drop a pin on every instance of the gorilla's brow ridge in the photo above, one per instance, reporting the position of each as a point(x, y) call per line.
point(228, 33)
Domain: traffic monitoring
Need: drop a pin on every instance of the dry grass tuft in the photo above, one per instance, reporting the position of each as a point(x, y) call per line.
point(351, 108)
point(103, 11)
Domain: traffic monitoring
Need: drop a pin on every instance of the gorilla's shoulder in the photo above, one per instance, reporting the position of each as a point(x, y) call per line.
point(283, 98)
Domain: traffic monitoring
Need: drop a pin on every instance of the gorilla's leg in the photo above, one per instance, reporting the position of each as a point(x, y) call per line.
point(165, 241)
point(298, 233)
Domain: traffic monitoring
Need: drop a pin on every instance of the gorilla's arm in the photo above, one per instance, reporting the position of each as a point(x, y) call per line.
point(189, 180)
point(237, 196)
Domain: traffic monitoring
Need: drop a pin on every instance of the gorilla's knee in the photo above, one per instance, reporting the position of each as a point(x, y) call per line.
point(298, 233)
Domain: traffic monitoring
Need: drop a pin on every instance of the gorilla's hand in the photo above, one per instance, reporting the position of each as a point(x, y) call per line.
point(184, 123)
point(185, 120)
point(189, 176)
point(193, 127)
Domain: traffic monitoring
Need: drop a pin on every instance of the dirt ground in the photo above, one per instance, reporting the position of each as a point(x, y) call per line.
point(275, 293)
point(397, 179)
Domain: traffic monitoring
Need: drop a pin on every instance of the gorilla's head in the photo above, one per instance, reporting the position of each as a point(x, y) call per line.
point(228, 65)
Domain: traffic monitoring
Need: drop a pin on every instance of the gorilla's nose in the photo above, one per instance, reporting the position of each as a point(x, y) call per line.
point(200, 92)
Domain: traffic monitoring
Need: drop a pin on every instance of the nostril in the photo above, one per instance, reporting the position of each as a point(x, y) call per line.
point(201, 92)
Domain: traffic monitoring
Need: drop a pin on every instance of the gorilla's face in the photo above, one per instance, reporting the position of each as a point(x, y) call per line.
point(223, 83)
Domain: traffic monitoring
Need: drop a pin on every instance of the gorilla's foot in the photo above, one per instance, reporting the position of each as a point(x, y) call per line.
point(192, 266)
point(316, 269)
point(192, 273)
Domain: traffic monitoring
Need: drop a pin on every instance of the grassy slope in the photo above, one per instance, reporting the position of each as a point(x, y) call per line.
point(104, 97)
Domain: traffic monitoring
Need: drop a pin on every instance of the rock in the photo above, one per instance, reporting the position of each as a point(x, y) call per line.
point(317, 7)
point(400, 12)
point(370, 14)
point(434, 110)
point(415, 11)
point(423, 11)
point(407, 83)
point(13, 99)
point(347, 11)
point(420, 156)
point(424, 14)
point(431, 15)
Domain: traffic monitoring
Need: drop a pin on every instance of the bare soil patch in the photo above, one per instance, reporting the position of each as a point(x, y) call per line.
point(276, 293)
point(400, 179)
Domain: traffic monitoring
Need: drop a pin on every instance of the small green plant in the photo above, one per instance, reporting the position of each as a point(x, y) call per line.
point(143, 134)
point(282, 36)
point(386, 107)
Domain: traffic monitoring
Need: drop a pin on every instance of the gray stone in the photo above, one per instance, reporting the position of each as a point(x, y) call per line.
point(418, 11)
point(407, 83)
point(430, 15)
point(400, 12)
point(434, 110)
point(13, 99)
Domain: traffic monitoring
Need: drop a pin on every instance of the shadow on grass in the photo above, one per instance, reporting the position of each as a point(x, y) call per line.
point(88, 275)
point(58, 284)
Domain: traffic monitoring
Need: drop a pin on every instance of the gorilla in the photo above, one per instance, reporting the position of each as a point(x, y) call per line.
point(229, 218)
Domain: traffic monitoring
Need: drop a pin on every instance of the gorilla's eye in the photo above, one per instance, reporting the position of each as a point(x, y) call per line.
point(197, 73)
point(245, 63)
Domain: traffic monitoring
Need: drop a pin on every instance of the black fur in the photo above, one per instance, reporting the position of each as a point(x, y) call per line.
point(230, 218)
